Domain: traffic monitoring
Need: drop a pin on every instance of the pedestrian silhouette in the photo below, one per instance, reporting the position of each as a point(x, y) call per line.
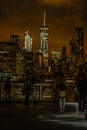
point(7, 89)
point(82, 89)
point(56, 85)
point(27, 90)
point(62, 93)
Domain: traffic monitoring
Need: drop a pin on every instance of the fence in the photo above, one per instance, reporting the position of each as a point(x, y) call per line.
point(42, 92)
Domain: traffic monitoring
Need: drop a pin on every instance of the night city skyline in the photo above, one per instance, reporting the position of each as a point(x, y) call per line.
point(61, 18)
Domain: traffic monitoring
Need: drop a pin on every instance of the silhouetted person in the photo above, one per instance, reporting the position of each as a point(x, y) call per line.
point(27, 90)
point(7, 89)
point(82, 89)
point(62, 93)
point(56, 85)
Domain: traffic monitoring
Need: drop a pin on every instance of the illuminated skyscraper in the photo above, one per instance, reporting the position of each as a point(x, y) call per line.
point(44, 42)
point(28, 42)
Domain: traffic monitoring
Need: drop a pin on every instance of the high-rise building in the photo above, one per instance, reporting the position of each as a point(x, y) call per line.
point(79, 40)
point(56, 56)
point(8, 57)
point(77, 51)
point(39, 59)
point(28, 41)
point(28, 63)
point(63, 53)
point(15, 39)
point(44, 42)
point(72, 47)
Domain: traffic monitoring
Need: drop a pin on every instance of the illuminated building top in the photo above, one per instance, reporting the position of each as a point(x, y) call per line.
point(28, 42)
point(44, 41)
point(44, 35)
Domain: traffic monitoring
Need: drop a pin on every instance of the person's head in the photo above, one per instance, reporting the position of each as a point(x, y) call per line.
point(57, 75)
point(8, 78)
point(29, 78)
point(82, 75)
point(61, 75)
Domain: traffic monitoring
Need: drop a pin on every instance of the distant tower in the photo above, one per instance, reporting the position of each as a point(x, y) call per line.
point(63, 53)
point(15, 39)
point(28, 42)
point(79, 39)
point(72, 47)
point(44, 41)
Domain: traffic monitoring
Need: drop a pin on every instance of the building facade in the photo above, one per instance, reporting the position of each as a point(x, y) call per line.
point(15, 39)
point(79, 40)
point(77, 52)
point(8, 57)
point(28, 41)
point(28, 63)
point(44, 42)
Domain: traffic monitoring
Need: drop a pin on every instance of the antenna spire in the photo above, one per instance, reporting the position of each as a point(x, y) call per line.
point(44, 18)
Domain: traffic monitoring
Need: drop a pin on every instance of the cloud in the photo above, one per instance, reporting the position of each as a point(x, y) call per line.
point(56, 2)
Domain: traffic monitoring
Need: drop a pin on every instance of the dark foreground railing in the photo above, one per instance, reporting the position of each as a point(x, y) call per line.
point(42, 92)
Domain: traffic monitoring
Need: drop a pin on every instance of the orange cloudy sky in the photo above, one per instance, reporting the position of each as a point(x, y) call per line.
point(62, 16)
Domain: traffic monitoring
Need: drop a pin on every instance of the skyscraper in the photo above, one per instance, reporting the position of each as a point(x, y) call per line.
point(15, 39)
point(79, 40)
point(77, 51)
point(63, 53)
point(28, 42)
point(44, 41)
